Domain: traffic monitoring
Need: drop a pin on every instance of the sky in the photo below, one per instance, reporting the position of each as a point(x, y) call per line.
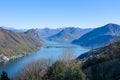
point(26, 14)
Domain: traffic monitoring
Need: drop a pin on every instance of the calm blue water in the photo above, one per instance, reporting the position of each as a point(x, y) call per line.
point(13, 66)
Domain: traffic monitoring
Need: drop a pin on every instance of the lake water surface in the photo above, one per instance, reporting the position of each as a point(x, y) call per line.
point(13, 66)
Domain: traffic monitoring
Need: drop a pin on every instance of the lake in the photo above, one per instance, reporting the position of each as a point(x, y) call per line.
point(13, 66)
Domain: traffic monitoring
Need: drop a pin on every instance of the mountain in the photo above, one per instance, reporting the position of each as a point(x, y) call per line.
point(14, 30)
point(112, 49)
point(18, 30)
point(99, 36)
point(46, 32)
point(13, 44)
point(34, 37)
point(68, 34)
point(102, 61)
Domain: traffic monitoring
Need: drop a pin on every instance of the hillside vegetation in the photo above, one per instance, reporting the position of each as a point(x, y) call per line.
point(17, 44)
point(102, 63)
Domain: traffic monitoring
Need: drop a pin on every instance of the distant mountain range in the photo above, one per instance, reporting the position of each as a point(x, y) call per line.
point(14, 44)
point(68, 34)
point(84, 37)
point(14, 30)
point(99, 36)
point(46, 32)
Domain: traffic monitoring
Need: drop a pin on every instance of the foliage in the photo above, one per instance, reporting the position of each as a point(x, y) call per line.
point(62, 71)
point(108, 70)
point(104, 66)
point(34, 70)
point(4, 76)
point(31, 78)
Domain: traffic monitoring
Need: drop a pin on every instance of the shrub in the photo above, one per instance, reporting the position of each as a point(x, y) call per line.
point(34, 70)
point(60, 71)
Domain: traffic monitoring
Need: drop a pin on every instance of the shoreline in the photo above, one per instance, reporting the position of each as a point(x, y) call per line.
point(4, 58)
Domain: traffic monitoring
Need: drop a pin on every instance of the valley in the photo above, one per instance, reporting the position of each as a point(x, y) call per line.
point(12, 66)
point(90, 47)
point(59, 40)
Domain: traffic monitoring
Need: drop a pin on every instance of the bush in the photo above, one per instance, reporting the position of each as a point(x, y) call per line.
point(60, 71)
point(64, 69)
point(34, 70)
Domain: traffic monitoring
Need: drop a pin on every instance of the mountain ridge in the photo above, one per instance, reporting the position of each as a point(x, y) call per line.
point(68, 34)
point(17, 44)
point(99, 36)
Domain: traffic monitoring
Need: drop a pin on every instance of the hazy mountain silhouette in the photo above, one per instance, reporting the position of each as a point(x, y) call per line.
point(68, 34)
point(99, 36)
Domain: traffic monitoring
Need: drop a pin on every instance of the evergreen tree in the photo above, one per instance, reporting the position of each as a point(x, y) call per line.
point(4, 76)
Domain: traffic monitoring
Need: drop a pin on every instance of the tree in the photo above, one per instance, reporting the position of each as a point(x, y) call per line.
point(4, 76)
point(67, 56)
point(61, 71)
point(34, 70)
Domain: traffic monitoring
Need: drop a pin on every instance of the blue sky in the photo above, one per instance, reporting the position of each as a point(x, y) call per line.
point(22, 14)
